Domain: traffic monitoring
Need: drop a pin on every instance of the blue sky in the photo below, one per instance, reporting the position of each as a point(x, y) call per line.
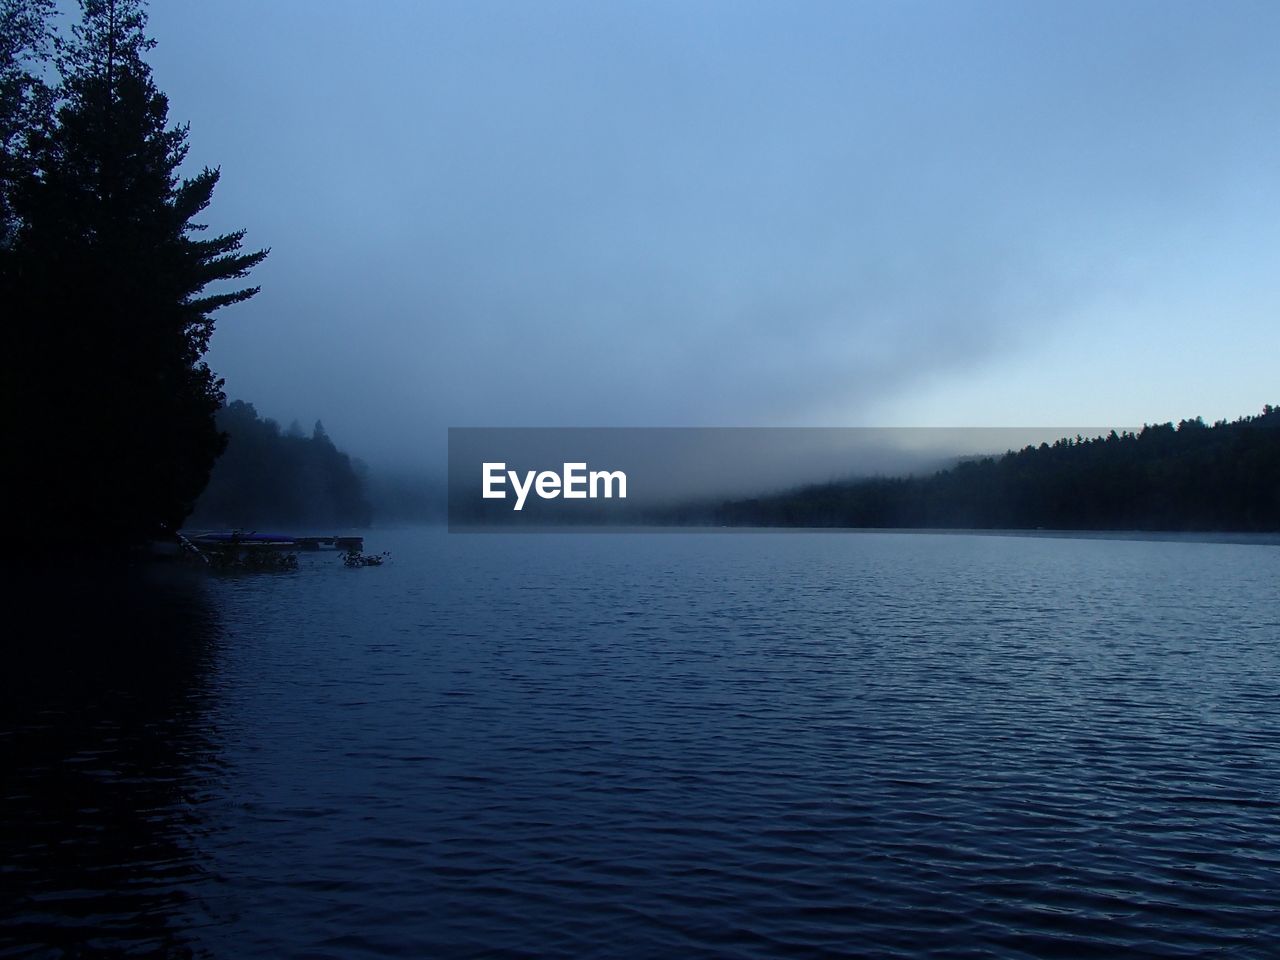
point(737, 213)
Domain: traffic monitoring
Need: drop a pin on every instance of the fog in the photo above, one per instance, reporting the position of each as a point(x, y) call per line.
point(738, 214)
point(675, 466)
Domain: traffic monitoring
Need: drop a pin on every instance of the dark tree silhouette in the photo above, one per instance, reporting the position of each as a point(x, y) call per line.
point(26, 102)
point(108, 279)
point(270, 478)
point(1194, 477)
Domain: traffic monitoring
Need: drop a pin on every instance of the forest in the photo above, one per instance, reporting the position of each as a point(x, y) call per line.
point(1189, 477)
point(280, 478)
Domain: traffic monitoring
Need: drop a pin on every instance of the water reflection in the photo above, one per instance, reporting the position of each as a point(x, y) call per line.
point(611, 746)
point(105, 758)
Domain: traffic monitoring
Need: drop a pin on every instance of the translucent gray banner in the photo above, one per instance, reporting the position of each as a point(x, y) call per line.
point(552, 478)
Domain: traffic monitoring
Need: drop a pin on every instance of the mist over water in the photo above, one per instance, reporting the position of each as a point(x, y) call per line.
point(249, 710)
point(738, 215)
point(674, 467)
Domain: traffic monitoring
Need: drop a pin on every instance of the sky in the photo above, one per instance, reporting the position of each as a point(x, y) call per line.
point(738, 213)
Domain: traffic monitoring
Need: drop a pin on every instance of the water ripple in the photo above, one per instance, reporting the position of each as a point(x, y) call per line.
point(646, 746)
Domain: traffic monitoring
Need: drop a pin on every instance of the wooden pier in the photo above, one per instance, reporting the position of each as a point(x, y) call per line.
point(272, 541)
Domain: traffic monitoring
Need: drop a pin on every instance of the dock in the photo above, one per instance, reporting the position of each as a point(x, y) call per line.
point(274, 541)
point(345, 544)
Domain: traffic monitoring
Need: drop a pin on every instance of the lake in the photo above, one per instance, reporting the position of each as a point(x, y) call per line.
point(686, 744)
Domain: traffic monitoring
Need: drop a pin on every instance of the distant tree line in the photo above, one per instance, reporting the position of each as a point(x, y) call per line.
point(1192, 477)
point(269, 477)
point(104, 283)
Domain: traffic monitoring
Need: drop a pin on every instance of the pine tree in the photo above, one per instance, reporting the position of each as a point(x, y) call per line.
point(111, 284)
point(26, 38)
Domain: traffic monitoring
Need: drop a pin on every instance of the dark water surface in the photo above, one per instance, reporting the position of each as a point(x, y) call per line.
point(667, 745)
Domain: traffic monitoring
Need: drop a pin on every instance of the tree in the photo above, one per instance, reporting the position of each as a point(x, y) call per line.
point(26, 39)
point(270, 479)
point(1197, 477)
point(110, 278)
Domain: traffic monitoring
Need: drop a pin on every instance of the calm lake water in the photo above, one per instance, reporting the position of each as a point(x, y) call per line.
point(654, 745)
